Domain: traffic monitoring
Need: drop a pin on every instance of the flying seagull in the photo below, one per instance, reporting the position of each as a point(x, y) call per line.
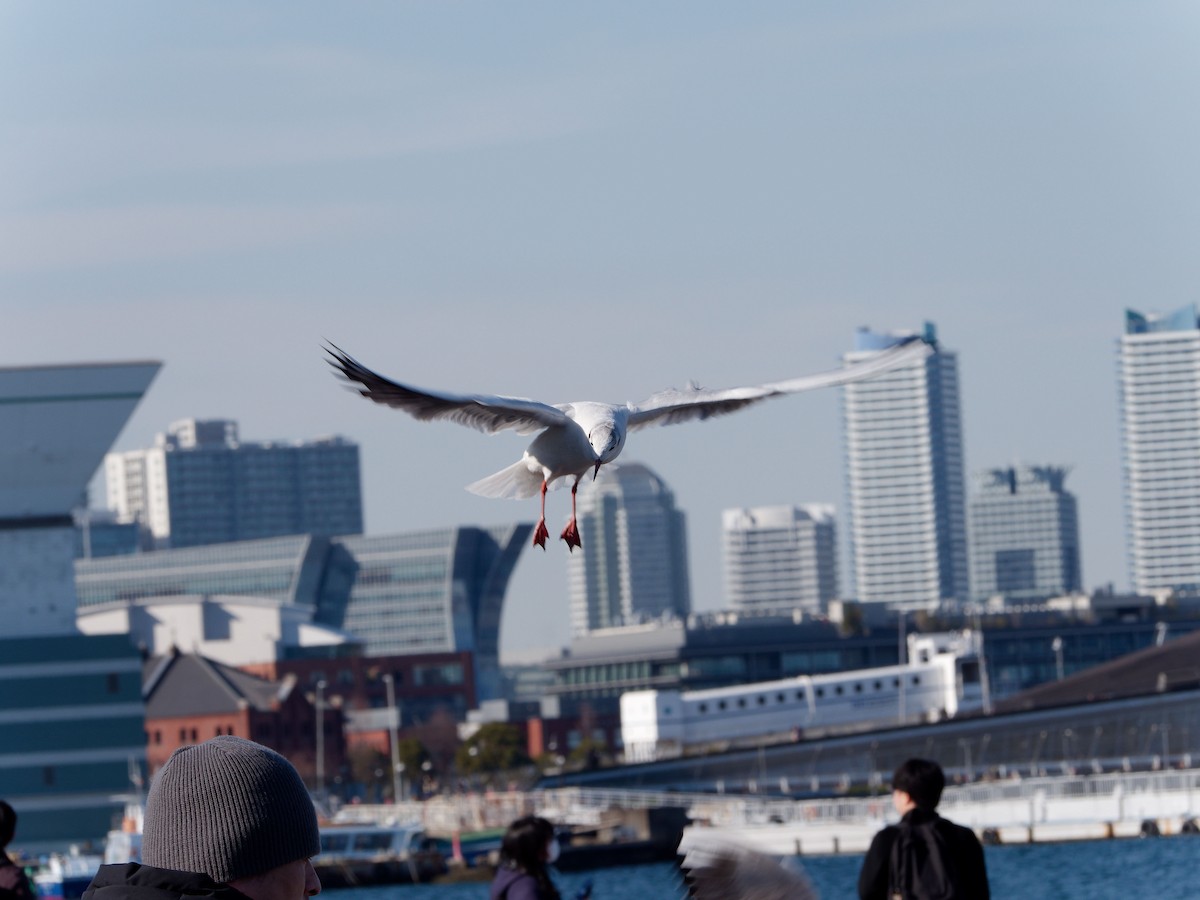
point(576, 438)
point(716, 869)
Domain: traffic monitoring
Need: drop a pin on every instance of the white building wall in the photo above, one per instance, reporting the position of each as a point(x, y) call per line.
point(235, 631)
point(905, 483)
point(780, 557)
point(125, 485)
point(1159, 374)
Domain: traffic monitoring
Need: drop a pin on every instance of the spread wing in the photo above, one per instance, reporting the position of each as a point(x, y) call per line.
point(721, 872)
point(480, 411)
point(673, 406)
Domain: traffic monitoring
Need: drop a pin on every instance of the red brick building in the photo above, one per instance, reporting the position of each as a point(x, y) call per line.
point(430, 690)
point(191, 699)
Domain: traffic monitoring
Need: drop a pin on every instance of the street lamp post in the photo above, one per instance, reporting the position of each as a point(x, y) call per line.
point(393, 735)
point(901, 658)
point(321, 738)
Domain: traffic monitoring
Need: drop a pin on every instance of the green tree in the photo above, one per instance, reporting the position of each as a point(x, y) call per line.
point(365, 762)
point(495, 747)
point(853, 621)
point(412, 755)
point(590, 754)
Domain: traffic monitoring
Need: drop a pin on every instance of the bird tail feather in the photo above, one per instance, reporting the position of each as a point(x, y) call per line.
point(513, 483)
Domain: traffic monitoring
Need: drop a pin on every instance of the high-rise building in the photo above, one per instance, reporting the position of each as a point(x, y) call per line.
point(199, 484)
point(71, 706)
point(904, 479)
point(780, 557)
point(1024, 535)
point(633, 563)
point(1159, 382)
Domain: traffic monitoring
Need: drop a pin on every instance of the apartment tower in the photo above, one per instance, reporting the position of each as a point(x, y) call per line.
point(904, 479)
point(1024, 534)
point(633, 563)
point(780, 558)
point(1159, 383)
point(200, 484)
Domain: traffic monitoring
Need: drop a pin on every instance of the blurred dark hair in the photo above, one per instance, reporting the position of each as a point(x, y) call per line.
point(524, 849)
point(8, 824)
point(921, 779)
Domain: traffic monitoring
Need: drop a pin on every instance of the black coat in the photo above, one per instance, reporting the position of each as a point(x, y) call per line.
point(960, 841)
point(133, 881)
point(13, 883)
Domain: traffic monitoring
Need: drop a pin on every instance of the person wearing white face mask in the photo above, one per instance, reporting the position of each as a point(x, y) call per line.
point(529, 846)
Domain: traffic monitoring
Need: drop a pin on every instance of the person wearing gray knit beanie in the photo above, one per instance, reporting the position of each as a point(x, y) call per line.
point(231, 812)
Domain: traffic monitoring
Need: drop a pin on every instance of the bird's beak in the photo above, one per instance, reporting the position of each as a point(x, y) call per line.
point(599, 463)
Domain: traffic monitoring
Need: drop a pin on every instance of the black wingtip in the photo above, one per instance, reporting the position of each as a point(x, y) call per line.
point(340, 358)
point(342, 363)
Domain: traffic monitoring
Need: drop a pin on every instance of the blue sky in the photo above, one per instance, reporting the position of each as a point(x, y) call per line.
point(596, 202)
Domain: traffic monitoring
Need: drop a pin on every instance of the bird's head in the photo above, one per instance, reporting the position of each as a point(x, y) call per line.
point(607, 441)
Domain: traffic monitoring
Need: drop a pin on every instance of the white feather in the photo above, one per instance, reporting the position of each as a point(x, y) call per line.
point(515, 482)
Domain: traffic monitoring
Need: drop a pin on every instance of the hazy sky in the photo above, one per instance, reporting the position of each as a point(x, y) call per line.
point(570, 201)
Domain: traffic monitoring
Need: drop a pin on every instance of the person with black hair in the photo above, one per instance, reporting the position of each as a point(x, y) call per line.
point(14, 884)
point(529, 846)
point(925, 856)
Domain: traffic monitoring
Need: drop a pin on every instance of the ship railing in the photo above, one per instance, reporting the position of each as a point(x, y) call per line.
point(585, 805)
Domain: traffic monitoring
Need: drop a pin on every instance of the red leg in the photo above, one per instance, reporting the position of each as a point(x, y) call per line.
point(571, 532)
point(541, 533)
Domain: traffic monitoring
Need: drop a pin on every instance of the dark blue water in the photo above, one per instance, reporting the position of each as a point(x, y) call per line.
point(1158, 868)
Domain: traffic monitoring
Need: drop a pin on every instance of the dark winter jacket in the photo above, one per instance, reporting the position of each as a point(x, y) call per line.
point(513, 884)
point(961, 844)
point(14, 885)
point(133, 881)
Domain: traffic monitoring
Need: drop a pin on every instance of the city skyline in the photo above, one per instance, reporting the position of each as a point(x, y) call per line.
point(602, 203)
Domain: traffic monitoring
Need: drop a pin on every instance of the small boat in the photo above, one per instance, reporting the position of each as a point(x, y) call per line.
point(124, 844)
point(353, 855)
point(474, 848)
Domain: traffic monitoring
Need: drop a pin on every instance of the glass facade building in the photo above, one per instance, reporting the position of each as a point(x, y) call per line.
point(289, 569)
point(71, 711)
point(435, 591)
point(904, 479)
point(780, 557)
point(73, 723)
point(633, 563)
point(1159, 382)
point(200, 485)
point(1024, 535)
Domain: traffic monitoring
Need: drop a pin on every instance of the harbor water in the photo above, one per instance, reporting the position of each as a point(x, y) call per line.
point(1157, 868)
